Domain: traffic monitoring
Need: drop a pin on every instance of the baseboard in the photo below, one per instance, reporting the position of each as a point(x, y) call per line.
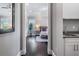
point(23, 52)
point(53, 54)
point(49, 51)
point(19, 53)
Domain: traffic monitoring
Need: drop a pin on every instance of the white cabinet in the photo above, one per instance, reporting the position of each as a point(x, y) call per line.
point(71, 47)
point(71, 10)
point(69, 50)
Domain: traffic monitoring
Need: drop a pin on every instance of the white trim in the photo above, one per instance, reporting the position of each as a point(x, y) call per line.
point(50, 29)
point(23, 31)
point(53, 54)
point(19, 53)
point(23, 52)
point(49, 51)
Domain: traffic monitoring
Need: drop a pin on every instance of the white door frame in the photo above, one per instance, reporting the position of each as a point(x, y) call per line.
point(23, 29)
point(23, 26)
point(49, 28)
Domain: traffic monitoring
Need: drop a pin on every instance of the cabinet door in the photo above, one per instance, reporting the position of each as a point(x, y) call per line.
point(77, 52)
point(69, 49)
point(72, 46)
point(70, 12)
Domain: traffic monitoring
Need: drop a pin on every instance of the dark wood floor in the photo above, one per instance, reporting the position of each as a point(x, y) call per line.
point(35, 48)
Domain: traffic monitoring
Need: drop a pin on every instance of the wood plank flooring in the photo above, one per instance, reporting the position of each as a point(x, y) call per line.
point(35, 48)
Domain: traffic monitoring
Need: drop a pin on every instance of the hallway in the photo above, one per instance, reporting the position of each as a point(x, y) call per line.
point(35, 48)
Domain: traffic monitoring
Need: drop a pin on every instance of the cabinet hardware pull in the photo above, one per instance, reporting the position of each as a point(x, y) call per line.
point(74, 47)
point(77, 47)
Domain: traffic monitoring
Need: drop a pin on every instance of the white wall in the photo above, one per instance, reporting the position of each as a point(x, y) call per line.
point(10, 42)
point(57, 27)
point(71, 10)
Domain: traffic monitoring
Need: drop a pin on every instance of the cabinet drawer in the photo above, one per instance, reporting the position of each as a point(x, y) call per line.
point(71, 40)
point(70, 43)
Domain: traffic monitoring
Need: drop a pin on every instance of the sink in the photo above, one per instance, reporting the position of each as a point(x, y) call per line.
point(76, 34)
point(70, 35)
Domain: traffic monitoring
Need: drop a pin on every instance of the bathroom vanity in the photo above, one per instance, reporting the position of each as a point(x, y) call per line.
point(71, 44)
point(71, 37)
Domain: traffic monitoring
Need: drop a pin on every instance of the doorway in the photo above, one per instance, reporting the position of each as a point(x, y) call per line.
point(37, 38)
